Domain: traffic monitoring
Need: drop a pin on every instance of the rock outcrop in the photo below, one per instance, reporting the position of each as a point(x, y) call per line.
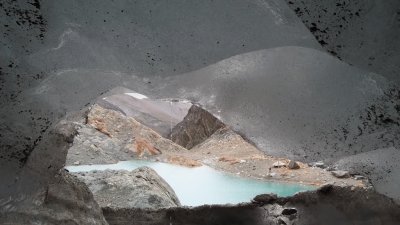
point(197, 126)
point(108, 136)
point(140, 188)
point(265, 199)
point(158, 114)
point(66, 200)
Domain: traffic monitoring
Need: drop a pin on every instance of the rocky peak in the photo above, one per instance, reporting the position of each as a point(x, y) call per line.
point(197, 126)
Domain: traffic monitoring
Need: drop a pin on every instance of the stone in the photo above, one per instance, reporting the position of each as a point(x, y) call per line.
point(140, 188)
point(340, 173)
point(359, 177)
point(282, 221)
point(196, 127)
point(293, 165)
point(319, 164)
point(265, 198)
point(325, 189)
point(77, 163)
point(329, 168)
point(289, 211)
point(278, 164)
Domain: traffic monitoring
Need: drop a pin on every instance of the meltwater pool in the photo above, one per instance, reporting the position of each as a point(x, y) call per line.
point(204, 185)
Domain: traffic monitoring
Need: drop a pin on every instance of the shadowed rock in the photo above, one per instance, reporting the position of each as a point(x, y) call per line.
point(293, 165)
point(66, 200)
point(366, 207)
point(197, 126)
point(265, 198)
point(289, 211)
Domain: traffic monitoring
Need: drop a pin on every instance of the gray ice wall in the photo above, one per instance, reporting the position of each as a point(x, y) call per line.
point(57, 56)
point(364, 33)
point(251, 62)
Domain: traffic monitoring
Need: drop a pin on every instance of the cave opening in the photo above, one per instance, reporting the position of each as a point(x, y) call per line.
point(137, 152)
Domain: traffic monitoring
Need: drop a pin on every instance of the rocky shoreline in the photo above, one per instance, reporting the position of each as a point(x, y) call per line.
point(109, 136)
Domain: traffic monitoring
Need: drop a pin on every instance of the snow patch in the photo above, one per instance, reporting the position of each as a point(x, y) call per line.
point(137, 95)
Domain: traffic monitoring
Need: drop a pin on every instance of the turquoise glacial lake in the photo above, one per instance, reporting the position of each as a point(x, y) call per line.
point(204, 185)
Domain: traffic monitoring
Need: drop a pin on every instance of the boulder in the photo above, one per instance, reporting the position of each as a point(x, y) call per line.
point(359, 177)
point(140, 188)
point(289, 211)
point(276, 214)
point(66, 200)
point(293, 165)
point(325, 189)
point(279, 164)
point(341, 173)
point(197, 126)
point(318, 164)
point(265, 199)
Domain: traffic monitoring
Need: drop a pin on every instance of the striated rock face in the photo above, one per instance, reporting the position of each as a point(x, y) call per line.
point(196, 127)
point(117, 126)
point(66, 200)
point(140, 188)
point(109, 137)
